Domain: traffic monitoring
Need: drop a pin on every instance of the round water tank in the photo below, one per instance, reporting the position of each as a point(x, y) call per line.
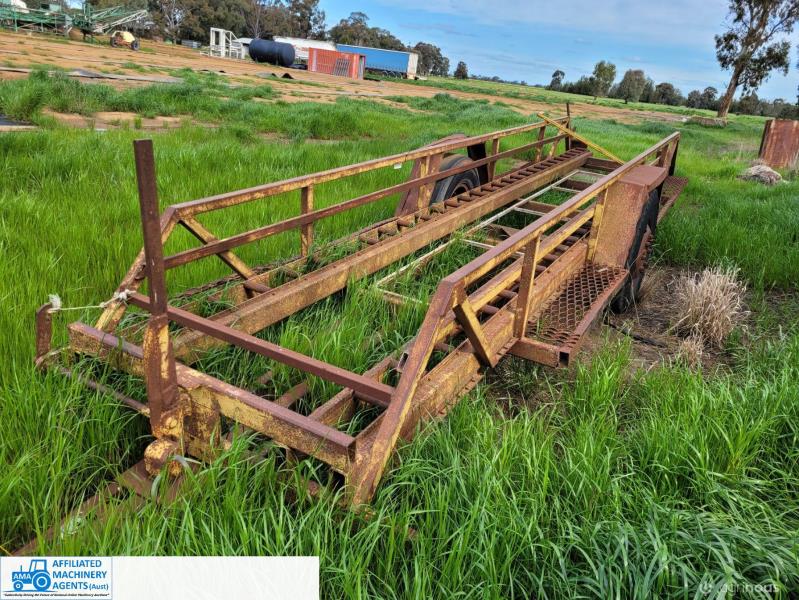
point(274, 53)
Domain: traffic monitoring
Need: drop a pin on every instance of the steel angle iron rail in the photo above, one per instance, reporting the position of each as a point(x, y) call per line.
point(185, 214)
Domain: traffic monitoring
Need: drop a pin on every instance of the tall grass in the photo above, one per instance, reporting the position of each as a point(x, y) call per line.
point(616, 485)
point(660, 486)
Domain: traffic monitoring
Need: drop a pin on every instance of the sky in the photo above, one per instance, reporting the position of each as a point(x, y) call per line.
point(670, 40)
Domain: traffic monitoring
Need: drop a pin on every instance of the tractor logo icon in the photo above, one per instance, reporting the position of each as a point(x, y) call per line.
point(36, 576)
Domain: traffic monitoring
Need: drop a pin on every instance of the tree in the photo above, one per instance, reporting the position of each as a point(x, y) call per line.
point(666, 93)
point(355, 30)
point(602, 78)
point(383, 38)
point(708, 99)
point(192, 19)
point(254, 14)
point(170, 16)
point(694, 99)
point(584, 86)
point(461, 72)
point(262, 18)
point(748, 104)
point(431, 61)
point(751, 47)
point(648, 95)
point(631, 86)
point(557, 80)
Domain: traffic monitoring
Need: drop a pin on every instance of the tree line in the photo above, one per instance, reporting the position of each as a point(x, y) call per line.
point(751, 49)
point(177, 20)
point(635, 86)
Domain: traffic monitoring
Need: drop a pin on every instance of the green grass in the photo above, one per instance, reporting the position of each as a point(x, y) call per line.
point(540, 94)
point(596, 482)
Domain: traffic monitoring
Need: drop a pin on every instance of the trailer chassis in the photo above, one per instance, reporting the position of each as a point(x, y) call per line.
point(533, 294)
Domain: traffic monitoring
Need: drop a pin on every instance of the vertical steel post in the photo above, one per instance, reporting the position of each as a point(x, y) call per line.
point(492, 166)
point(430, 165)
point(306, 232)
point(44, 333)
point(159, 361)
point(568, 125)
point(596, 223)
point(541, 134)
point(525, 295)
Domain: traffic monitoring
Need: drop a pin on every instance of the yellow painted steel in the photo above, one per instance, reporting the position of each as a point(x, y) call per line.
point(576, 136)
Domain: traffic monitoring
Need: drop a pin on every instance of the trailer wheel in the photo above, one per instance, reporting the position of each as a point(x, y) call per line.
point(454, 184)
point(638, 256)
point(134, 45)
point(113, 41)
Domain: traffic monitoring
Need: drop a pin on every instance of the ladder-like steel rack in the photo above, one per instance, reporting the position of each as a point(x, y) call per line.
point(533, 292)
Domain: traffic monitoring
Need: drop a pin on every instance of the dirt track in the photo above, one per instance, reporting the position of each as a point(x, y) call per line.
point(156, 60)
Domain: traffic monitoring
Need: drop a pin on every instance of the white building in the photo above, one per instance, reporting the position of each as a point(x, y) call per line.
point(301, 46)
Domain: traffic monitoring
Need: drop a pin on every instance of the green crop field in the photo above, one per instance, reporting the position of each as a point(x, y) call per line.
point(614, 482)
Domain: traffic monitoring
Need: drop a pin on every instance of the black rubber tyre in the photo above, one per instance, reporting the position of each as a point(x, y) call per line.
point(134, 45)
point(113, 41)
point(454, 184)
point(636, 260)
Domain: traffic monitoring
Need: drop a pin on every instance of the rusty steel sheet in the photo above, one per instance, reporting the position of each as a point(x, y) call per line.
point(779, 146)
point(532, 294)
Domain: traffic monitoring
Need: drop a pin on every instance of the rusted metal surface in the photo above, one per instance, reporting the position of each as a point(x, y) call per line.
point(579, 138)
point(561, 269)
point(377, 393)
point(44, 333)
point(166, 418)
point(220, 201)
point(779, 147)
point(451, 294)
point(559, 321)
point(218, 246)
point(430, 225)
point(621, 211)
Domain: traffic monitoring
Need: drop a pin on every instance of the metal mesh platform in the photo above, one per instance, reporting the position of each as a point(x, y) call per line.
point(672, 188)
point(558, 321)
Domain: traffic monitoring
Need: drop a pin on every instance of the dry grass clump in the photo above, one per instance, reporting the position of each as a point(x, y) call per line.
point(711, 305)
point(653, 281)
point(690, 351)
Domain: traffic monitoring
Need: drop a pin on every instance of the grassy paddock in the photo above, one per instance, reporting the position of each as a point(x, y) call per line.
point(620, 483)
point(544, 95)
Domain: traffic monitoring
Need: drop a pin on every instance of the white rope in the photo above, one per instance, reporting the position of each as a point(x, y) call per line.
point(58, 305)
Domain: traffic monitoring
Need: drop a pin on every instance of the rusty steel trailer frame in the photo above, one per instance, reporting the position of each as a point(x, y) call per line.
point(532, 295)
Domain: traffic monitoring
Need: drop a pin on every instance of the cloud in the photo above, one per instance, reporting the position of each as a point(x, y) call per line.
point(506, 58)
point(446, 28)
point(671, 41)
point(678, 22)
